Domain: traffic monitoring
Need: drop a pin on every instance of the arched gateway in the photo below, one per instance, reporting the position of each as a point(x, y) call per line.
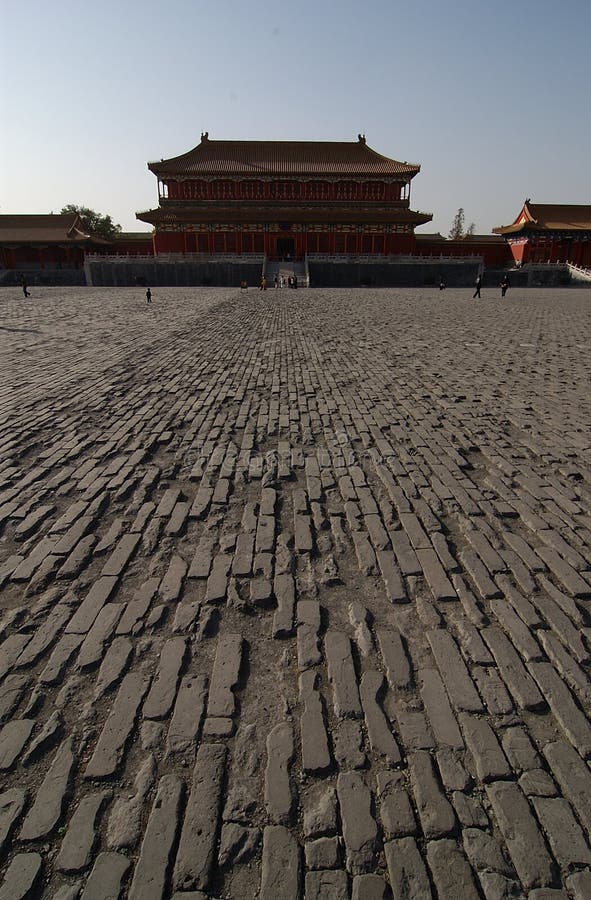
point(285, 199)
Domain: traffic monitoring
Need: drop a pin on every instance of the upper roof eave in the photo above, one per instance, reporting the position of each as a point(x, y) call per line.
point(268, 158)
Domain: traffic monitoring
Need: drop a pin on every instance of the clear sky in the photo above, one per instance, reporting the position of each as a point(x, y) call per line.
point(491, 98)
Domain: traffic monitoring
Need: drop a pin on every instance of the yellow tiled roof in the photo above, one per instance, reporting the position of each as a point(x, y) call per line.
point(346, 158)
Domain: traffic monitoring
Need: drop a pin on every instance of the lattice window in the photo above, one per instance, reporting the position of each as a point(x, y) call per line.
point(346, 190)
point(252, 190)
point(285, 190)
point(374, 190)
point(223, 190)
point(319, 190)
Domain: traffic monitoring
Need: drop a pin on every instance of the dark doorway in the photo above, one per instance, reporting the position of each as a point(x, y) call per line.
point(285, 248)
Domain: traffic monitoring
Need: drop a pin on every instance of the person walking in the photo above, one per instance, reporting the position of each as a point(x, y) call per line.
point(441, 283)
point(504, 285)
point(276, 281)
point(477, 286)
point(25, 287)
point(148, 296)
point(263, 286)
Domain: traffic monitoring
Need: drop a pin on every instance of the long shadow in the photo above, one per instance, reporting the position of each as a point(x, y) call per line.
point(28, 330)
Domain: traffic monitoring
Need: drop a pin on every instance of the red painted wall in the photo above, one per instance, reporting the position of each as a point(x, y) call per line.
point(518, 252)
point(333, 242)
point(169, 242)
point(135, 247)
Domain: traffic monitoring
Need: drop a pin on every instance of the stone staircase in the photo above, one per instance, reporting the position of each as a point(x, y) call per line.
point(579, 273)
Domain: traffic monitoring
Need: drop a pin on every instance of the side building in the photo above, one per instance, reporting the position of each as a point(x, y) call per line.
point(283, 200)
point(52, 248)
point(550, 233)
point(45, 244)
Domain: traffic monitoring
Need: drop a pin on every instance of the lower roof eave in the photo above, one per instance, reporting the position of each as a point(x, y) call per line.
point(513, 229)
point(528, 229)
point(313, 216)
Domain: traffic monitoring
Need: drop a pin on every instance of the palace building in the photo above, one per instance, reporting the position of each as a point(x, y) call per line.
point(550, 233)
point(284, 199)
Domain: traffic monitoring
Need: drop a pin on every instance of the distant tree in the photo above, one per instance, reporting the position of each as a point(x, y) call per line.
point(469, 232)
point(457, 226)
point(94, 222)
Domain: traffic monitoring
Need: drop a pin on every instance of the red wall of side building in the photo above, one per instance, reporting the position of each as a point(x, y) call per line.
point(546, 250)
point(133, 247)
point(32, 256)
point(494, 253)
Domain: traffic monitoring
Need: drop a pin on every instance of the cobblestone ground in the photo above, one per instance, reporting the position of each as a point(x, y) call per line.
point(295, 594)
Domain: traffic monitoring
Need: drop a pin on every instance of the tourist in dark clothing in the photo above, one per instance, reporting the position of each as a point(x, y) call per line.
point(477, 285)
point(504, 285)
point(295, 281)
point(148, 296)
point(441, 283)
point(24, 284)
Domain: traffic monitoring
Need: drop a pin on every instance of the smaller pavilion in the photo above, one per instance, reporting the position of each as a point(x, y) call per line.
point(550, 233)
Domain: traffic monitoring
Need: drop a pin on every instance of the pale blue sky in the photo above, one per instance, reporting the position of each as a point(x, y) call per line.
point(491, 98)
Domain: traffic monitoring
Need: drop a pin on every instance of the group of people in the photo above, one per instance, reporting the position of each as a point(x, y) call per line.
point(279, 281)
point(505, 284)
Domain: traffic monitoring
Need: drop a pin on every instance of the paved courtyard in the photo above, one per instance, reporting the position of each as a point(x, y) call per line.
point(295, 594)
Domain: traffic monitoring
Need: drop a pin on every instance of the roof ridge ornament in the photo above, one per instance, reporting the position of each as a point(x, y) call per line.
point(204, 136)
point(361, 138)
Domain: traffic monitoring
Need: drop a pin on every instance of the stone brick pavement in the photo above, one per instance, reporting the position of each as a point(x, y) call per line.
point(295, 594)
